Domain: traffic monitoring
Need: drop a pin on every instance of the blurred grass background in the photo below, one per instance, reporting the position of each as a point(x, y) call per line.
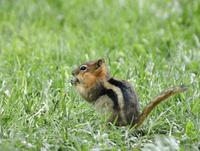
point(154, 44)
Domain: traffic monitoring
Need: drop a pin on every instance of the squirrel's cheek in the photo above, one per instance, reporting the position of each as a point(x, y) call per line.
point(89, 80)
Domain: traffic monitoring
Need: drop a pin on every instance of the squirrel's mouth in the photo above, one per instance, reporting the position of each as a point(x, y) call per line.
point(74, 81)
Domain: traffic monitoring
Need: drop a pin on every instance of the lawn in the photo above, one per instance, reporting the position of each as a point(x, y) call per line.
point(154, 44)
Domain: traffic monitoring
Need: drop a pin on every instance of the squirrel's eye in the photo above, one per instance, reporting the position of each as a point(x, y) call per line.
point(83, 68)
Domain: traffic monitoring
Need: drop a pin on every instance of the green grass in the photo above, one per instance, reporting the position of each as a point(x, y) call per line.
point(154, 44)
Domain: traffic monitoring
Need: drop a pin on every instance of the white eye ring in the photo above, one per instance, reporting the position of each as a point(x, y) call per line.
point(83, 67)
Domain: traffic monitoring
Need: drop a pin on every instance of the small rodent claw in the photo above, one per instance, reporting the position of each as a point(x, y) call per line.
point(74, 81)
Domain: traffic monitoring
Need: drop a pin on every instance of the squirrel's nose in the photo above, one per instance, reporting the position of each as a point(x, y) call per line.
point(73, 72)
point(74, 81)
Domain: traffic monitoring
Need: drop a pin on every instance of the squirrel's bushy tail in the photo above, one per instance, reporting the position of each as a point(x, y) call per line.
point(157, 100)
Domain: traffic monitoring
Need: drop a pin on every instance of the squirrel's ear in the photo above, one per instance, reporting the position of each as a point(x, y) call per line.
point(100, 62)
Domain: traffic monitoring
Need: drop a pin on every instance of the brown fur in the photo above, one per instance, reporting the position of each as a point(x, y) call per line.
point(118, 98)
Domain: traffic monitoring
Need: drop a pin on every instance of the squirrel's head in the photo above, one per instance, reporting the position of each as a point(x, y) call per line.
point(89, 73)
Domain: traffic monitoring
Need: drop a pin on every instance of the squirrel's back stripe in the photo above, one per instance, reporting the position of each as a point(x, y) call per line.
point(127, 91)
point(120, 97)
point(112, 95)
point(122, 86)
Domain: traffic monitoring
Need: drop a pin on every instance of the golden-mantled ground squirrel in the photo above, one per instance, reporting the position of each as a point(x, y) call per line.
point(115, 97)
